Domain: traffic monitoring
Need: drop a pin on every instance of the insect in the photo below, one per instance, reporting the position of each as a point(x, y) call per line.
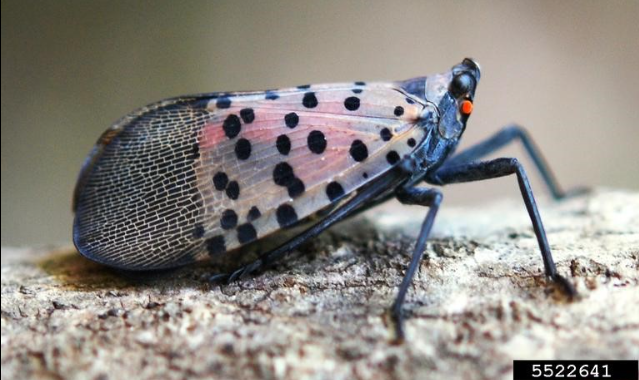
point(207, 174)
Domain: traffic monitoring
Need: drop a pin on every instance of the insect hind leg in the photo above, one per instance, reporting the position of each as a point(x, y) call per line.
point(431, 198)
point(504, 137)
point(500, 167)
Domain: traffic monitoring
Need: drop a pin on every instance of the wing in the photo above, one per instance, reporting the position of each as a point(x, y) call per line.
point(210, 173)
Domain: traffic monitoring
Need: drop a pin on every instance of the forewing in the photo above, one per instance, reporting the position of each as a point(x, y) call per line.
point(210, 173)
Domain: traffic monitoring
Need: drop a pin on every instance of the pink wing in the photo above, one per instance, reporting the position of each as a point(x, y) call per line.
point(268, 163)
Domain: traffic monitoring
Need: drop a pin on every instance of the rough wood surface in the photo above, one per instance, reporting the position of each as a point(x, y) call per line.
point(478, 302)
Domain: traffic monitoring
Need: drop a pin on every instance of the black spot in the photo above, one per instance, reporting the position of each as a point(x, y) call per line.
point(233, 190)
point(310, 100)
point(360, 83)
point(232, 126)
point(247, 115)
point(316, 142)
point(399, 111)
point(253, 214)
point(223, 102)
point(228, 220)
point(410, 101)
point(270, 95)
point(220, 180)
point(283, 144)
point(216, 245)
point(334, 191)
point(304, 86)
point(286, 215)
point(411, 142)
point(195, 151)
point(198, 231)
point(365, 175)
point(357, 90)
point(202, 103)
point(291, 120)
point(351, 103)
point(246, 233)
point(358, 151)
point(243, 149)
point(385, 134)
point(283, 174)
point(296, 188)
point(392, 157)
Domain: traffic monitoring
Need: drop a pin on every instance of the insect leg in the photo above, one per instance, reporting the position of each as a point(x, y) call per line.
point(501, 139)
point(500, 167)
point(431, 198)
point(389, 181)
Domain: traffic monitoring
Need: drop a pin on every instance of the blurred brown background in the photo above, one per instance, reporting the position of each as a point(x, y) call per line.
point(568, 71)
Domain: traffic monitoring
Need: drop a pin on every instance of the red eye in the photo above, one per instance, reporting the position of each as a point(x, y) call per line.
point(466, 107)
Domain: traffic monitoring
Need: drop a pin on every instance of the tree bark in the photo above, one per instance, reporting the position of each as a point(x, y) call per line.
point(479, 300)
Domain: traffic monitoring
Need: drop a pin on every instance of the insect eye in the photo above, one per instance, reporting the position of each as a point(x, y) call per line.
point(461, 85)
point(466, 107)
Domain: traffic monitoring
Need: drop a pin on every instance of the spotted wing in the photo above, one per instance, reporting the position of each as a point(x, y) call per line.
point(212, 173)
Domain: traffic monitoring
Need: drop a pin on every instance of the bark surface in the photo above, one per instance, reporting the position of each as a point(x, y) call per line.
point(479, 300)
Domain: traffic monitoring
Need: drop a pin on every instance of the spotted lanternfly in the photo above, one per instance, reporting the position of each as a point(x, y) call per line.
point(207, 174)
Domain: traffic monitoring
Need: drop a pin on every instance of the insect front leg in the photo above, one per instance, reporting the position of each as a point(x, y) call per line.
point(504, 137)
point(477, 171)
point(431, 198)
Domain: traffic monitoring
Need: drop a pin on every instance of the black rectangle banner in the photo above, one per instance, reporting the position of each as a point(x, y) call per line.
point(576, 369)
